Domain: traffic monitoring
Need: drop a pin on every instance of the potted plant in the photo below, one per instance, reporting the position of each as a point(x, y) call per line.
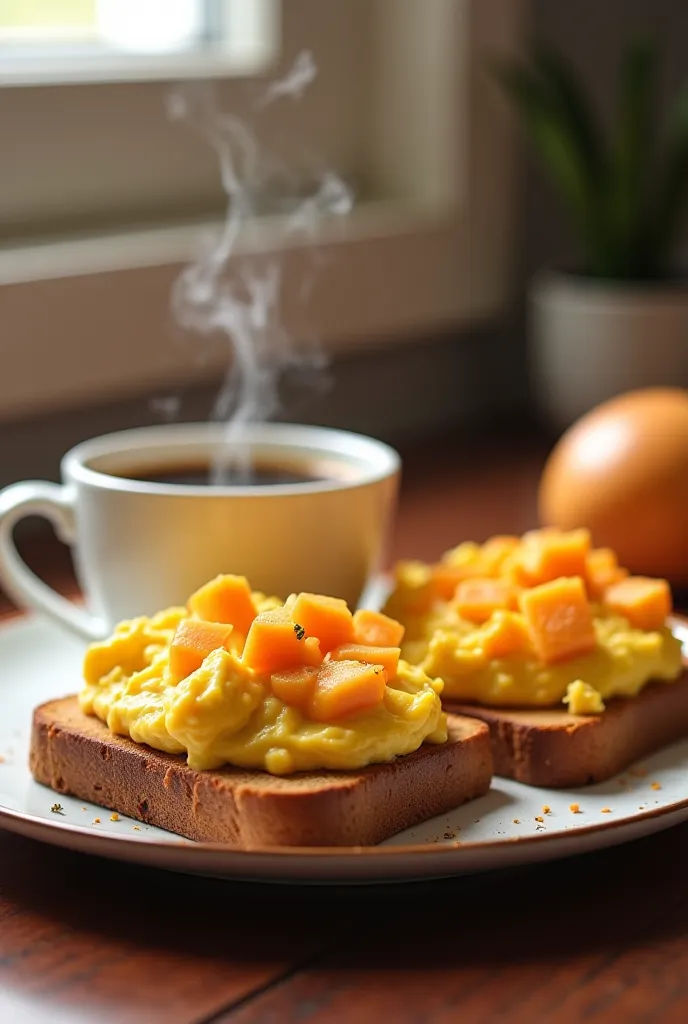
point(620, 320)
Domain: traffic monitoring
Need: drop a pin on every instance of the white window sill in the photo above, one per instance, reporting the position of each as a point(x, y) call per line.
point(106, 68)
point(177, 242)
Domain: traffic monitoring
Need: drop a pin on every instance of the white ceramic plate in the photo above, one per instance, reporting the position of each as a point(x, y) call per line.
point(38, 662)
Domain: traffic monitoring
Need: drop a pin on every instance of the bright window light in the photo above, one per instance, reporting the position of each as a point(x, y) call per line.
point(155, 26)
point(142, 26)
point(46, 20)
point(49, 41)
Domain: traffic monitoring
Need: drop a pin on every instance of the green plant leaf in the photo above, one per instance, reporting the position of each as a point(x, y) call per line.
point(626, 203)
point(666, 218)
point(562, 148)
point(575, 112)
point(632, 156)
point(573, 109)
point(557, 152)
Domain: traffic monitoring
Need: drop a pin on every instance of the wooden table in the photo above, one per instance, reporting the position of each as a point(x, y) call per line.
point(602, 937)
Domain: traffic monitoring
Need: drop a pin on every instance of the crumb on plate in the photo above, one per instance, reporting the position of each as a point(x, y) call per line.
point(575, 808)
point(606, 810)
point(57, 809)
point(114, 817)
point(517, 821)
point(539, 817)
point(655, 785)
point(96, 821)
point(546, 809)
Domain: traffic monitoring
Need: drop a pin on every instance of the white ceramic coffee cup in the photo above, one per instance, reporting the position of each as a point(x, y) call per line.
point(140, 546)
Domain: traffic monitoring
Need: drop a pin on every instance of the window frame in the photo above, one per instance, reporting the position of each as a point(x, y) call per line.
point(88, 319)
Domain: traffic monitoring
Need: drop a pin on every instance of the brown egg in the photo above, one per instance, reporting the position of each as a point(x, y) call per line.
point(622, 471)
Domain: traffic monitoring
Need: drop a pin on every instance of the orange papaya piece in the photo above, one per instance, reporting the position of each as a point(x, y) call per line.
point(645, 602)
point(602, 569)
point(294, 685)
point(505, 634)
point(225, 599)
point(193, 641)
point(559, 619)
point(387, 657)
point(344, 688)
point(477, 599)
point(377, 629)
point(516, 572)
point(275, 642)
point(550, 555)
point(495, 551)
point(327, 618)
point(460, 563)
point(446, 578)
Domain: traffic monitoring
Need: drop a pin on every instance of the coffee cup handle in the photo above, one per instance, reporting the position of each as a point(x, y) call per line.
point(55, 503)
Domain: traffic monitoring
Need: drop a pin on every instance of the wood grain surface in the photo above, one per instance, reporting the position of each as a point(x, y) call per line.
point(603, 937)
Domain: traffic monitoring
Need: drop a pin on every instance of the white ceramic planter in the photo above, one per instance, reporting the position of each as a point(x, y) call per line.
point(592, 340)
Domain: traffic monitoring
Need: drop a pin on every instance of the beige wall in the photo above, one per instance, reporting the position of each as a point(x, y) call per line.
point(424, 387)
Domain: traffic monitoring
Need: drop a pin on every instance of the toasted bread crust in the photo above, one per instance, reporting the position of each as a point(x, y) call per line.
point(556, 749)
point(76, 754)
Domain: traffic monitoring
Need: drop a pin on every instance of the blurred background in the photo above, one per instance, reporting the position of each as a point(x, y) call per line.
point(428, 299)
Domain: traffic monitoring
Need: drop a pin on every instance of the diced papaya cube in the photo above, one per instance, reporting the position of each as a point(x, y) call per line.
point(446, 578)
point(345, 688)
point(505, 634)
point(460, 563)
point(387, 657)
point(495, 551)
point(275, 642)
point(645, 602)
point(225, 599)
point(559, 619)
point(516, 572)
point(550, 555)
point(514, 565)
point(377, 629)
point(193, 641)
point(602, 569)
point(294, 685)
point(327, 618)
point(476, 600)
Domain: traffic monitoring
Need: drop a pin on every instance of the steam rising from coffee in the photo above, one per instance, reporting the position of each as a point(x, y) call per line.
point(220, 292)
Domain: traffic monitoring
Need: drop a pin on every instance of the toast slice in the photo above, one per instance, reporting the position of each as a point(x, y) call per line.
point(556, 749)
point(76, 754)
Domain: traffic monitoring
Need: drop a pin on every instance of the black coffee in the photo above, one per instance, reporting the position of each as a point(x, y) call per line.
point(259, 475)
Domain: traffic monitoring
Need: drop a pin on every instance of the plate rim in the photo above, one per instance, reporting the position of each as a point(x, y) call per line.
point(23, 822)
point(359, 852)
point(341, 868)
